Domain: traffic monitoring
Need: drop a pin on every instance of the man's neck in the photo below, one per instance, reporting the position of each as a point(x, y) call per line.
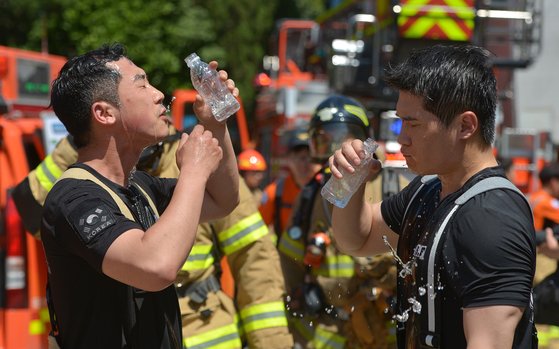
point(470, 165)
point(114, 165)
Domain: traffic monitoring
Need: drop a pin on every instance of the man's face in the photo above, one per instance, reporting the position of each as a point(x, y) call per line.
point(253, 179)
point(301, 165)
point(142, 113)
point(554, 185)
point(427, 145)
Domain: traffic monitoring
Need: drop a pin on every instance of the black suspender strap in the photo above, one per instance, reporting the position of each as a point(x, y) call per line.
point(424, 181)
point(301, 218)
point(278, 205)
point(482, 186)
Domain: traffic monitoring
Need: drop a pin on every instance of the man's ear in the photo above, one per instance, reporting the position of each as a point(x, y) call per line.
point(104, 113)
point(468, 124)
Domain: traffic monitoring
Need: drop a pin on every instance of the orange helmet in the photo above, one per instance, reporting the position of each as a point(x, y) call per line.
point(251, 160)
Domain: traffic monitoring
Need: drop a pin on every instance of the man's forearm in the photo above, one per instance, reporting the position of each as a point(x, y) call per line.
point(348, 225)
point(223, 184)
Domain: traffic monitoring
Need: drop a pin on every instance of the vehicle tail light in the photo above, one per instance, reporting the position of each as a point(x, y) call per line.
point(262, 80)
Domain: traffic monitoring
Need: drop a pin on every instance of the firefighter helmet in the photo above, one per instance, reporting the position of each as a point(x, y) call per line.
point(335, 120)
point(298, 138)
point(251, 160)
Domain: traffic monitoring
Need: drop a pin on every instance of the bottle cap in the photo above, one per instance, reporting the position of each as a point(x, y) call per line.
point(190, 59)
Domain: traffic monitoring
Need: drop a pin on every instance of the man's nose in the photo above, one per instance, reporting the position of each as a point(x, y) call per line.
point(158, 96)
point(403, 138)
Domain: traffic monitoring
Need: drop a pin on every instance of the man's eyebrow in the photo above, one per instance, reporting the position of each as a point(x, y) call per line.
point(139, 77)
point(406, 117)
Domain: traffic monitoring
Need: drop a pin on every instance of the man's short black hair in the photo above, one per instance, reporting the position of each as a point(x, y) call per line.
point(82, 81)
point(549, 172)
point(451, 79)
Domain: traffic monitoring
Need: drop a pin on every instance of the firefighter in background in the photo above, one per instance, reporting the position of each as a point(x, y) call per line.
point(280, 195)
point(210, 318)
point(335, 300)
point(251, 167)
point(545, 208)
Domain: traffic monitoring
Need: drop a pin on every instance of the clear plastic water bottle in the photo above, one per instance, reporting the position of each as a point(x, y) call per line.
point(339, 191)
point(208, 84)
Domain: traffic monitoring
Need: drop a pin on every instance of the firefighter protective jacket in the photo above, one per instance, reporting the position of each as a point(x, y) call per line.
point(29, 195)
point(210, 318)
point(259, 290)
point(352, 316)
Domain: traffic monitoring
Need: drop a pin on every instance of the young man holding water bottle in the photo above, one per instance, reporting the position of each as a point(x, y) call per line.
point(466, 263)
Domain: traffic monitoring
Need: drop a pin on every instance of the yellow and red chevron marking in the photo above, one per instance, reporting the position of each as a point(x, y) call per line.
point(437, 19)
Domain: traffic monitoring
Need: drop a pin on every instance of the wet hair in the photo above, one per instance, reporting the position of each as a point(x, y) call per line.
point(451, 79)
point(82, 81)
point(549, 172)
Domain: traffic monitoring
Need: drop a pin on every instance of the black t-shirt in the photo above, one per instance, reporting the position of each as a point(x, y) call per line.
point(80, 222)
point(487, 256)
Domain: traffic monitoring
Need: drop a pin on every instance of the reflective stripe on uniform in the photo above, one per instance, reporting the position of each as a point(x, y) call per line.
point(304, 327)
point(200, 258)
point(336, 266)
point(547, 333)
point(274, 239)
point(44, 315)
point(239, 325)
point(324, 339)
point(291, 248)
point(266, 315)
point(36, 327)
point(242, 233)
point(225, 337)
point(47, 173)
point(39, 326)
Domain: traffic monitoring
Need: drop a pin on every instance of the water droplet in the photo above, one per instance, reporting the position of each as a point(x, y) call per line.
point(422, 291)
point(168, 108)
point(401, 318)
point(415, 305)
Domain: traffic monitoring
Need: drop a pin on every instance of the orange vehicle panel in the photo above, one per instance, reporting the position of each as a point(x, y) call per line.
point(183, 117)
point(25, 325)
point(25, 81)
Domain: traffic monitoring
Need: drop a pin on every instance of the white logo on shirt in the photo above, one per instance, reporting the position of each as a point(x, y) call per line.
point(419, 251)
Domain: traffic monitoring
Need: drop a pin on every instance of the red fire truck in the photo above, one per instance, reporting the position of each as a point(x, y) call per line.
point(27, 130)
